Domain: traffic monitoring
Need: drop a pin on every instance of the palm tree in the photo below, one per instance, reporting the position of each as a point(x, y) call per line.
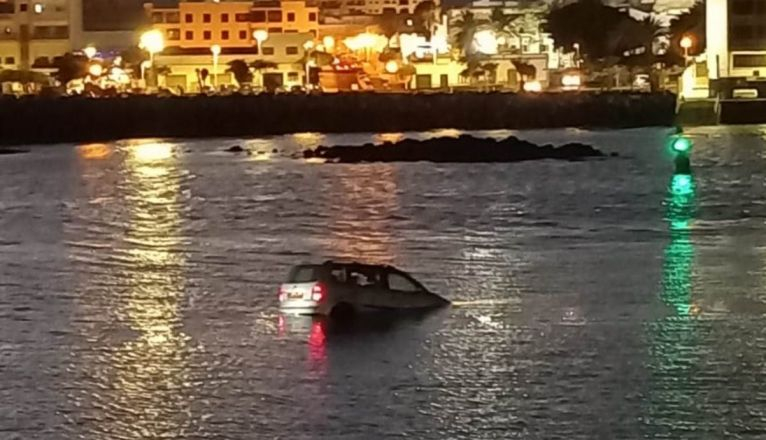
point(467, 25)
point(241, 71)
point(260, 65)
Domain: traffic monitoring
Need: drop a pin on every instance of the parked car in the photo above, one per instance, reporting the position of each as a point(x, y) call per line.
point(335, 288)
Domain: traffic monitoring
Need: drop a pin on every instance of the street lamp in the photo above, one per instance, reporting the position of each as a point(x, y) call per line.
point(686, 44)
point(260, 36)
point(307, 46)
point(95, 70)
point(215, 50)
point(576, 47)
point(90, 52)
point(153, 42)
point(329, 43)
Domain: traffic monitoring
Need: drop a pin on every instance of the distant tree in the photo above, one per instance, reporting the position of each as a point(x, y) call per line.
point(425, 15)
point(588, 23)
point(241, 71)
point(69, 67)
point(390, 23)
point(467, 24)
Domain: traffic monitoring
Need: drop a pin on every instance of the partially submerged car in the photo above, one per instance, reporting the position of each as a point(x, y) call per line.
point(341, 288)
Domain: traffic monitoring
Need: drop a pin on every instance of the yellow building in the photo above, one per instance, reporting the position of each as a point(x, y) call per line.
point(231, 24)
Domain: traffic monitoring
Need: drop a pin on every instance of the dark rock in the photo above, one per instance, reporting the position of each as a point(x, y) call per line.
point(274, 151)
point(235, 149)
point(447, 149)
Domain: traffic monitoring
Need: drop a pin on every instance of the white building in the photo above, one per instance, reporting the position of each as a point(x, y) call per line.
point(286, 51)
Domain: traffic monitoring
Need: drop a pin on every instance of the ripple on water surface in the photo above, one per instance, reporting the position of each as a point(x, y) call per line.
point(598, 299)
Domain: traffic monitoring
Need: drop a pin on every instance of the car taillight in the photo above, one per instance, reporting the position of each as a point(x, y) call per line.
point(282, 294)
point(317, 292)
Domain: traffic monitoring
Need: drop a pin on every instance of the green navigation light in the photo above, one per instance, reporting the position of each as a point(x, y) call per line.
point(681, 145)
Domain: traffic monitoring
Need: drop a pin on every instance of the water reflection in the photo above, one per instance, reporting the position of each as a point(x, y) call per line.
point(148, 373)
point(679, 253)
point(363, 214)
point(674, 347)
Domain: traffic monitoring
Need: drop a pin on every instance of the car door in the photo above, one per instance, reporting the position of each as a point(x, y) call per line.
point(402, 292)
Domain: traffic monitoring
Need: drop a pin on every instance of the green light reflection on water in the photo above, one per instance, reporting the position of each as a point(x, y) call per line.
point(679, 253)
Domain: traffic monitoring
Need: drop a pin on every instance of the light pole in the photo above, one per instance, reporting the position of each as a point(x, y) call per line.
point(215, 50)
point(576, 47)
point(153, 42)
point(260, 36)
point(307, 46)
point(686, 44)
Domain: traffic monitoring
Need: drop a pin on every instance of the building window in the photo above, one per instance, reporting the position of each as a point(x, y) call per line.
point(312, 16)
point(158, 17)
point(268, 51)
point(259, 16)
point(206, 18)
point(274, 16)
point(291, 16)
point(275, 30)
point(291, 50)
point(243, 35)
point(740, 61)
point(224, 35)
point(189, 35)
point(743, 7)
point(10, 60)
point(174, 34)
point(38, 8)
point(172, 17)
point(224, 18)
point(207, 35)
point(292, 76)
point(403, 3)
point(189, 18)
point(50, 32)
point(23, 7)
point(242, 17)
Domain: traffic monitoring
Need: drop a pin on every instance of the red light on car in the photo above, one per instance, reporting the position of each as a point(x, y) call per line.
point(282, 294)
point(317, 292)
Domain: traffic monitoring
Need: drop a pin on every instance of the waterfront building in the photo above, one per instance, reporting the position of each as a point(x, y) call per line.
point(230, 24)
point(284, 56)
point(736, 38)
point(33, 32)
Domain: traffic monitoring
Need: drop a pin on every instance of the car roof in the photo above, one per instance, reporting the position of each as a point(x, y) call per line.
point(338, 263)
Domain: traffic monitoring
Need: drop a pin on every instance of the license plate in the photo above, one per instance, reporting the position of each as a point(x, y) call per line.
point(295, 295)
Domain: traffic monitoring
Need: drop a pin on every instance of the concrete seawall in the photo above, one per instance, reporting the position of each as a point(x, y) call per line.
point(53, 120)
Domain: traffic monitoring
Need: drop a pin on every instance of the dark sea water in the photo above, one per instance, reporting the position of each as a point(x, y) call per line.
point(593, 300)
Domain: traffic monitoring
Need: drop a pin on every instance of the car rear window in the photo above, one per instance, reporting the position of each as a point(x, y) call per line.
point(304, 274)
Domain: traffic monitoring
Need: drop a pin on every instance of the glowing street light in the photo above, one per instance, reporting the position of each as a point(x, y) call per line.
point(90, 52)
point(260, 35)
point(216, 51)
point(308, 45)
point(392, 66)
point(95, 70)
point(329, 43)
point(686, 43)
point(153, 42)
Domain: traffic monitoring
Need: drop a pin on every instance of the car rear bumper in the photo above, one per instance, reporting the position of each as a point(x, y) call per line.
point(300, 307)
